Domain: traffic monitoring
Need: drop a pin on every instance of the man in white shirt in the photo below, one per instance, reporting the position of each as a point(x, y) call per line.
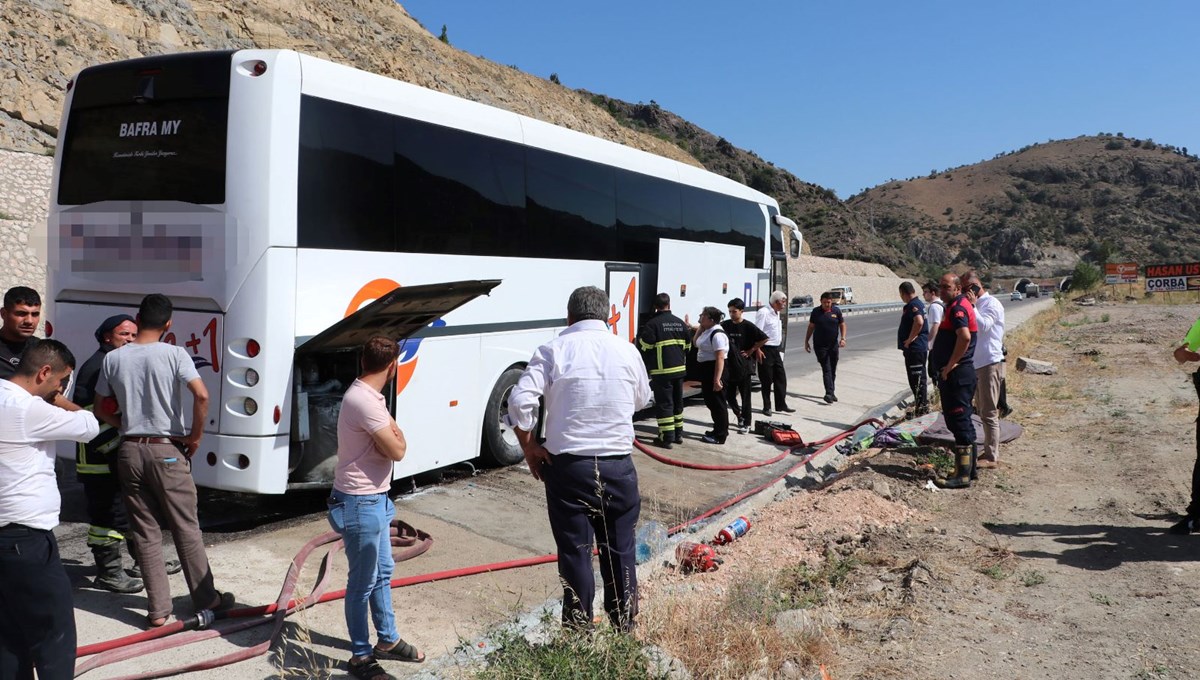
point(592, 383)
point(989, 366)
point(37, 614)
point(934, 310)
point(770, 371)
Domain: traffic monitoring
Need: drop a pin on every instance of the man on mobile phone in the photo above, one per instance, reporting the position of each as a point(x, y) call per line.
point(989, 366)
point(147, 378)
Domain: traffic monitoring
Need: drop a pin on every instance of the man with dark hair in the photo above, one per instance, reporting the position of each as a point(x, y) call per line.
point(827, 335)
point(37, 614)
point(19, 319)
point(989, 365)
point(592, 383)
point(747, 340)
point(771, 373)
point(912, 338)
point(146, 380)
point(370, 443)
point(952, 361)
point(664, 341)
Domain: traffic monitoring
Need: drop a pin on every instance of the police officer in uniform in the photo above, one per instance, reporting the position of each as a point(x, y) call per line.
point(952, 361)
point(664, 341)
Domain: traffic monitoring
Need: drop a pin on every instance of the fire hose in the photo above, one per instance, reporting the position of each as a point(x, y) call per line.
point(407, 542)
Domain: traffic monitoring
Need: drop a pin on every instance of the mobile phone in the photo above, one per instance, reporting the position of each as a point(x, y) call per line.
point(976, 289)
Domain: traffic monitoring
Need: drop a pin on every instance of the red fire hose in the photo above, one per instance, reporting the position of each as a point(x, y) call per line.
point(407, 543)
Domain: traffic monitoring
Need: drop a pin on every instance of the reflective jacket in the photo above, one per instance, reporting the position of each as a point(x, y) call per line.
point(99, 455)
point(664, 342)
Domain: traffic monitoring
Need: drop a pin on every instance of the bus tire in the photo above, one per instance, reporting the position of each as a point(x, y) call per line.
point(499, 440)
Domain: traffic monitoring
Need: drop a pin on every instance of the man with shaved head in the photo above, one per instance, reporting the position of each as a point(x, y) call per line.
point(952, 362)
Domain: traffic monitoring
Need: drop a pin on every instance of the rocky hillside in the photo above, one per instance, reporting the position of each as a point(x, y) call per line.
point(50, 40)
point(1036, 211)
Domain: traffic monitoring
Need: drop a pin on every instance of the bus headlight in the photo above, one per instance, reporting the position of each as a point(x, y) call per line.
point(251, 377)
point(251, 406)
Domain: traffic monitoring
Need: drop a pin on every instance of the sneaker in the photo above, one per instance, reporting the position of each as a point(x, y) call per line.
point(1183, 527)
point(741, 429)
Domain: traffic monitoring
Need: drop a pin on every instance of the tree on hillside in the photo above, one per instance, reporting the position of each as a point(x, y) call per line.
point(1085, 276)
point(444, 37)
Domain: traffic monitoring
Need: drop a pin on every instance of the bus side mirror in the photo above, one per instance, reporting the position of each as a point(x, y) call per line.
point(795, 249)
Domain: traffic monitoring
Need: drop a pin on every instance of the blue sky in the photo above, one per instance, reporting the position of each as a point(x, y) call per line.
point(850, 93)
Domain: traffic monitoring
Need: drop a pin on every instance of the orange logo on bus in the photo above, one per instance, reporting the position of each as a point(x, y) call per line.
point(406, 365)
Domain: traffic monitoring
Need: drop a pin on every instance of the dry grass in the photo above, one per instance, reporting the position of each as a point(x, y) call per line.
point(733, 634)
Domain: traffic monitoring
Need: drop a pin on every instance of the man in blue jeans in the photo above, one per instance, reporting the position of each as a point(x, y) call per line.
point(369, 444)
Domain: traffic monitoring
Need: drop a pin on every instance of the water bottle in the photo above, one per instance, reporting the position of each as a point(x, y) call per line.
point(651, 539)
point(733, 531)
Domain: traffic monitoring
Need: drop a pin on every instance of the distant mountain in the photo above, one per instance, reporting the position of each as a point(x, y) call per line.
point(1036, 211)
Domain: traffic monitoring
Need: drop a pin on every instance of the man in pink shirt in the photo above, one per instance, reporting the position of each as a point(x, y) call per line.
point(369, 444)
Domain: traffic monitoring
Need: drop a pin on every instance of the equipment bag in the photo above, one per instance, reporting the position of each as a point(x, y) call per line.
point(764, 428)
point(787, 437)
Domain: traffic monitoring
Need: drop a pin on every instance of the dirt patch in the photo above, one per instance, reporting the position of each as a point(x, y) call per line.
point(1056, 565)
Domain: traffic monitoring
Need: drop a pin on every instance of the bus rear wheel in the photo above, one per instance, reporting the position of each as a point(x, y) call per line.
point(500, 444)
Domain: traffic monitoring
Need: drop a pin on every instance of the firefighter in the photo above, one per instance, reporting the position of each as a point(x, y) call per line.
point(953, 362)
point(664, 341)
point(95, 466)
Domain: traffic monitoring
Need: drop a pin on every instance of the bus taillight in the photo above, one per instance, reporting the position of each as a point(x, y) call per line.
point(259, 68)
point(278, 414)
point(252, 348)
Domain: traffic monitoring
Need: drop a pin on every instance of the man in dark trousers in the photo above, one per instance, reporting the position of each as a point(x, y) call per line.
point(771, 373)
point(912, 338)
point(37, 614)
point(746, 339)
point(664, 341)
point(19, 319)
point(96, 467)
point(1189, 350)
point(952, 362)
point(592, 383)
point(146, 378)
point(826, 335)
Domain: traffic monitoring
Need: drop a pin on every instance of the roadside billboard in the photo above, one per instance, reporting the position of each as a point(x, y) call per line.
point(1121, 272)
point(1166, 278)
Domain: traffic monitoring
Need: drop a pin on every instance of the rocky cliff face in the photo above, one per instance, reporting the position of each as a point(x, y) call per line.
point(49, 41)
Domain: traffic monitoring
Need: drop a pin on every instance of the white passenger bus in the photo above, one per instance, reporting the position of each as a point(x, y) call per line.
point(291, 207)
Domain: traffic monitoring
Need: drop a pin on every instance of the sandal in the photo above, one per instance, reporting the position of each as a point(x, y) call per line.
point(400, 651)
point(368, 669)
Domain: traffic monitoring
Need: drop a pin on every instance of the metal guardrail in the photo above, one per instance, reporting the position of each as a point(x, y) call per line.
point(850, 310)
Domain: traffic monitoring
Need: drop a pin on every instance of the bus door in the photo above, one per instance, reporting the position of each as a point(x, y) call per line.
point(623, 283)
point(328, 362)
point(779, 282)
point(699, 275)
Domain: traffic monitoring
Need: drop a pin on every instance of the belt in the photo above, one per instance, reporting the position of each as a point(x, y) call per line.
point(148, 440)
point(16, 529)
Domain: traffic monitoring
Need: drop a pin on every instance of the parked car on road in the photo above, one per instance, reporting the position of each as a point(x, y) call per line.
point(802, 301)
point(1016, 295)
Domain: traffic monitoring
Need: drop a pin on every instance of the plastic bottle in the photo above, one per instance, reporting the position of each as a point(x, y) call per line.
point(696, 556)
point(651, 540)
point(733, 531)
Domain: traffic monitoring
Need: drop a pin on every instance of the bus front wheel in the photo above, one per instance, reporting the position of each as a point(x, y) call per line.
point(500, 444)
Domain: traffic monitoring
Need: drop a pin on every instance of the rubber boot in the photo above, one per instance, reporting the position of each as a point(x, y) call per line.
point(109, 575)
point(963, 464)
point(974, 459)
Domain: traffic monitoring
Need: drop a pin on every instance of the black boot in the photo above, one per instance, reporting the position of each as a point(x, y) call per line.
point(679, 435)
point(109, 575)
point(964, 462)
point(974, 459)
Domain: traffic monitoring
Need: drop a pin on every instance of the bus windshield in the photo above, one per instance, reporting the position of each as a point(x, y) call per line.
point(147, 130)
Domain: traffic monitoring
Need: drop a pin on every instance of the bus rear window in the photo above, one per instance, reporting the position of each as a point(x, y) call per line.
point(151, 129)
